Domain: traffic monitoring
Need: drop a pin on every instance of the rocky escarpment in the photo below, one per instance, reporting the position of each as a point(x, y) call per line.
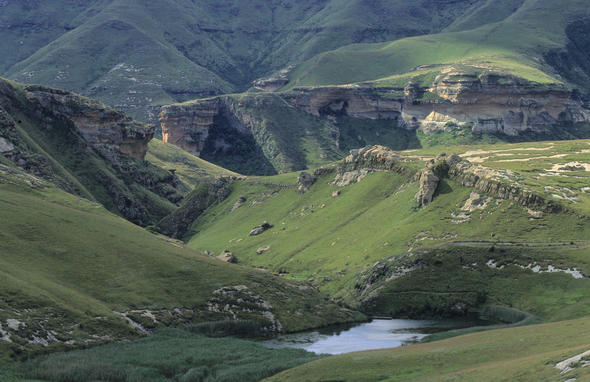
point(87, 149)
point(488, 102)
point(503, 184)
point(104, 128)
point(278, 128)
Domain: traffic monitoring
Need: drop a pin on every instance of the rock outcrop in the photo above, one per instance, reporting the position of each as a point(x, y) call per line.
point(304, 182)
point(105, 129)
point(187, 125)
point(274, 82)
point(265, 226)
point(500, 184)
point(428, 185)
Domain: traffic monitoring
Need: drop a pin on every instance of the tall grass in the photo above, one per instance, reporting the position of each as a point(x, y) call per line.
point(168, 355)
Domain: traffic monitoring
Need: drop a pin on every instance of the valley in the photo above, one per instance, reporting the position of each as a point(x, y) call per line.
point(316, 190)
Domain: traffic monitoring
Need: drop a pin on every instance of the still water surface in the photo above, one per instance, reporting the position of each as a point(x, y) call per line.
point(377, 334)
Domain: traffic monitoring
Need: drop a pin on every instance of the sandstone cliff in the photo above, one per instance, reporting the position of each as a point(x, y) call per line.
point(487, 102)
point(484, 102)
point(85, 148)
point(104, 128)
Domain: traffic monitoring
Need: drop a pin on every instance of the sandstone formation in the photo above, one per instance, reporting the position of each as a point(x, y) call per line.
point(187, 125)
point(104, 128)
point(486, 102)
point(428, 185)
point(481, 101)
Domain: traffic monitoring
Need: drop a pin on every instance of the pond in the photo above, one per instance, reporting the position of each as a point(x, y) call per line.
point(377, 334)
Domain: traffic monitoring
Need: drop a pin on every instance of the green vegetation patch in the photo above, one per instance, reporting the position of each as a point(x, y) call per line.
point(168, 355)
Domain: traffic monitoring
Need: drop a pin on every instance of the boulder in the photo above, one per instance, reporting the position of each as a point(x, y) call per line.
point(260, 228)
point(262, 249)
point(5, 146)
point(227, 257)
point(305, 181)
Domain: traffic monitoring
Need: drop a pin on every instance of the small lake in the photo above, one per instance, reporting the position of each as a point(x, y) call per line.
point(377, 334)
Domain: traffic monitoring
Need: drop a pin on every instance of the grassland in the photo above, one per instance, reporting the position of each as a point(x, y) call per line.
point(527, 353)
point(189, 168)
point(168, 355)
point(380, 224)
point(513, 45)
point(69, 267)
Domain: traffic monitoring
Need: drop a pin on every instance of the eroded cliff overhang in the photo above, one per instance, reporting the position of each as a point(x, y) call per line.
point(105, 129)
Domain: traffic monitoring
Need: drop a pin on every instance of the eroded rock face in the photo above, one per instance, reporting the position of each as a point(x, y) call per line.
point(349, 101)
point(105, 129)
point(187, 126)
point(428, 185)
point(495, 104)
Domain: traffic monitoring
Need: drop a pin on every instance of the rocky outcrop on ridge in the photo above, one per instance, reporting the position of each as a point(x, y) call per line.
point(87, 149)
point(428, 185)
point(104, 128)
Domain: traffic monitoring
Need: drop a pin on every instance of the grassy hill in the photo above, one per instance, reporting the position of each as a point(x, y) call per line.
point(528, 353)
point(70, 269)
point(44, 130)
point(135, 56)
point(521, 38)
point(381, 232)
point(190, 169)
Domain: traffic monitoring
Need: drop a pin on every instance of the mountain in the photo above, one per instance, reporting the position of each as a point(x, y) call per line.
point(137, 56)
point(86, 148)
point(503, 71)
point(322, 162)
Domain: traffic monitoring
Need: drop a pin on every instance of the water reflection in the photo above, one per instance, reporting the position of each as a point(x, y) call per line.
point(377, 334)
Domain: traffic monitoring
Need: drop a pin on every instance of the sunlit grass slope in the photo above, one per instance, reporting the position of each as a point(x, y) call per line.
point(68, 265)
point(514, 45)
point(527, 353)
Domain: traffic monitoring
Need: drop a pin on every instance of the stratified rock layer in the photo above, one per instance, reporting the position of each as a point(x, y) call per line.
point(102, 127)
point(485, 103)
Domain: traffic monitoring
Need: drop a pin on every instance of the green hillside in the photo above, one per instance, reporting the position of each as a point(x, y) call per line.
point(70, 269)
point(381, 230)
point(42, 127)
point(189, 168)
point(135, 55)
point(523, 43)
